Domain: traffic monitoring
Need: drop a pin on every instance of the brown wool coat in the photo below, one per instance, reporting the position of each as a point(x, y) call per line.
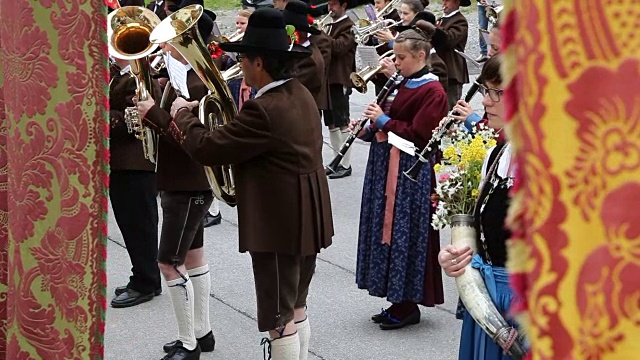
point(451, 35)
point(310, 71)
point(323, 42)
point(125, 150)
point(343, 53)
point(282, 190)
point(177, 171)
point(439, 68)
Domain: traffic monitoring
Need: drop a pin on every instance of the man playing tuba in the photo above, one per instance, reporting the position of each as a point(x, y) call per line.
point(284, 209)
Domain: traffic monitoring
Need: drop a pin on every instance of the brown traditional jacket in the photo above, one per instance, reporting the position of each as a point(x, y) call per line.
point(177, 171)
point(451, 35)
point(281, 185)
point(439, 68)
point(310, 71)
point(125, 150)
point(323, 42)
point(343, 52)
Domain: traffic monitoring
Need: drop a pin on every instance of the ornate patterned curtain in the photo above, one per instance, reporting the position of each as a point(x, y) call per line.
point(53, 178)
point(574, 101)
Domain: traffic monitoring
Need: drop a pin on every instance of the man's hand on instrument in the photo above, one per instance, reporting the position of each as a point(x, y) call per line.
point(453, 260)
point(180, 103)
point(483, 2)
point(463, 109)
point(143, 106)
point(373, 111)
point(384, 36)
point(388, 67)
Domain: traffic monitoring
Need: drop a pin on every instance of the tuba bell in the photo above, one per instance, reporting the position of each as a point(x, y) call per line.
point(128, 32)
point(361, 78)
point(216, 109)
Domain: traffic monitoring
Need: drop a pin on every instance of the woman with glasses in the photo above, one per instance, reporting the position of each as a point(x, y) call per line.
point(490, 214)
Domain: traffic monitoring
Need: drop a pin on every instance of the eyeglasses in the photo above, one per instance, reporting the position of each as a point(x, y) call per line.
point(239, 57)
point(494, 94)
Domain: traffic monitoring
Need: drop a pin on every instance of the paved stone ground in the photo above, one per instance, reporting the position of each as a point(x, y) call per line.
point(339, 312)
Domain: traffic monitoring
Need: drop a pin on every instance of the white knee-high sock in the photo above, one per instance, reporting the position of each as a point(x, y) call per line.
point(346, 160)
point(182, 299)
point(214, 209)
point(201, 279)
point(335, 139)
point(304, 333)
point(286, 348)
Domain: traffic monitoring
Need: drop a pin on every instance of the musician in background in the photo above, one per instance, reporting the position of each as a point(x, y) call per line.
point(397, 247)
point(273, 152)
point(132, 190)
point(451, 34)
point(308, 70)
point(343, 63)
point(379, 80)
point(185, 198)
point(157, 6)
point(408, 11)
point(170, 6)
point(490, 214)
point(438, 67)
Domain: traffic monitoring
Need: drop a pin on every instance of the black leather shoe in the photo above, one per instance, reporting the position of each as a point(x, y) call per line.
point(392, 323)
point(180, 353)
point(130, 298)
point(210, 220)
point(382, 316)
point(121, 289)
point(206, 343)
point(342, 172)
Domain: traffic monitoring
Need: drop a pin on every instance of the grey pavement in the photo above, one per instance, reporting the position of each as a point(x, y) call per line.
point(339, 312)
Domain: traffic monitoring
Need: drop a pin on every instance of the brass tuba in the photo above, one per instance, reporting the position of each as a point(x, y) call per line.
point(216, 109)
point(359, 79)
point(128, 30)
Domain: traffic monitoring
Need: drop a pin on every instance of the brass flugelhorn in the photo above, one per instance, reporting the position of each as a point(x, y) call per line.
point(236, 36)
point(361, 78)
point(322, 23)
point(493, 13)
point(362, 34)
point(216, 109)
point(128, 30)
point(233, 72)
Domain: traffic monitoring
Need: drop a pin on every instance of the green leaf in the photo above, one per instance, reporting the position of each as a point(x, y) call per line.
point(290, 30)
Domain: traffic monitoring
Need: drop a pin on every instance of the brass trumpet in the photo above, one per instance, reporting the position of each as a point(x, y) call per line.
point(216, 109)
point(493, 13)
point(361, 78)
point(323, 22)
point(236, 36)
point(128, 32)
point(233, 72)
point(387, 9)
point(362, 34)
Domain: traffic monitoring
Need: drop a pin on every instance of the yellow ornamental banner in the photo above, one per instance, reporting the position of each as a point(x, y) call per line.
point(573, 74)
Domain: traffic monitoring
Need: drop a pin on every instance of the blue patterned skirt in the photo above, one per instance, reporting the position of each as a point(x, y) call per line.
point(406, 270)
point(475, 343)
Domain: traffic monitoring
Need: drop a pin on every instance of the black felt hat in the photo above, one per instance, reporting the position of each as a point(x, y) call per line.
point(205, 23)
point(295, 13)
point(465, 3)
point(266, 34)
point(422, 15)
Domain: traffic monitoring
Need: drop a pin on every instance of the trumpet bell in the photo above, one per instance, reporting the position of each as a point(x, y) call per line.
point(358, 82)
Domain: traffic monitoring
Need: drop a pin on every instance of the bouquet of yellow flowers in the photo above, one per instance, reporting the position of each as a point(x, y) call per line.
point(458, 175)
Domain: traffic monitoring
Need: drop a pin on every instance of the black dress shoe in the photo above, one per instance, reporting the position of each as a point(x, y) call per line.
point(130, 298)
point(382, 316)
point(180, 353)
point(121, 289)
point(342, 172)
point(210, 220)
point(392, 323)
point(206, 343)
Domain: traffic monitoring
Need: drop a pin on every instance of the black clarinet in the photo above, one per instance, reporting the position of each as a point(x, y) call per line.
point(432, 145)
point(353, 134)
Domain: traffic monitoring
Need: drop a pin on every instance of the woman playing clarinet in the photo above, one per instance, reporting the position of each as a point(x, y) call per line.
point(397, 247)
